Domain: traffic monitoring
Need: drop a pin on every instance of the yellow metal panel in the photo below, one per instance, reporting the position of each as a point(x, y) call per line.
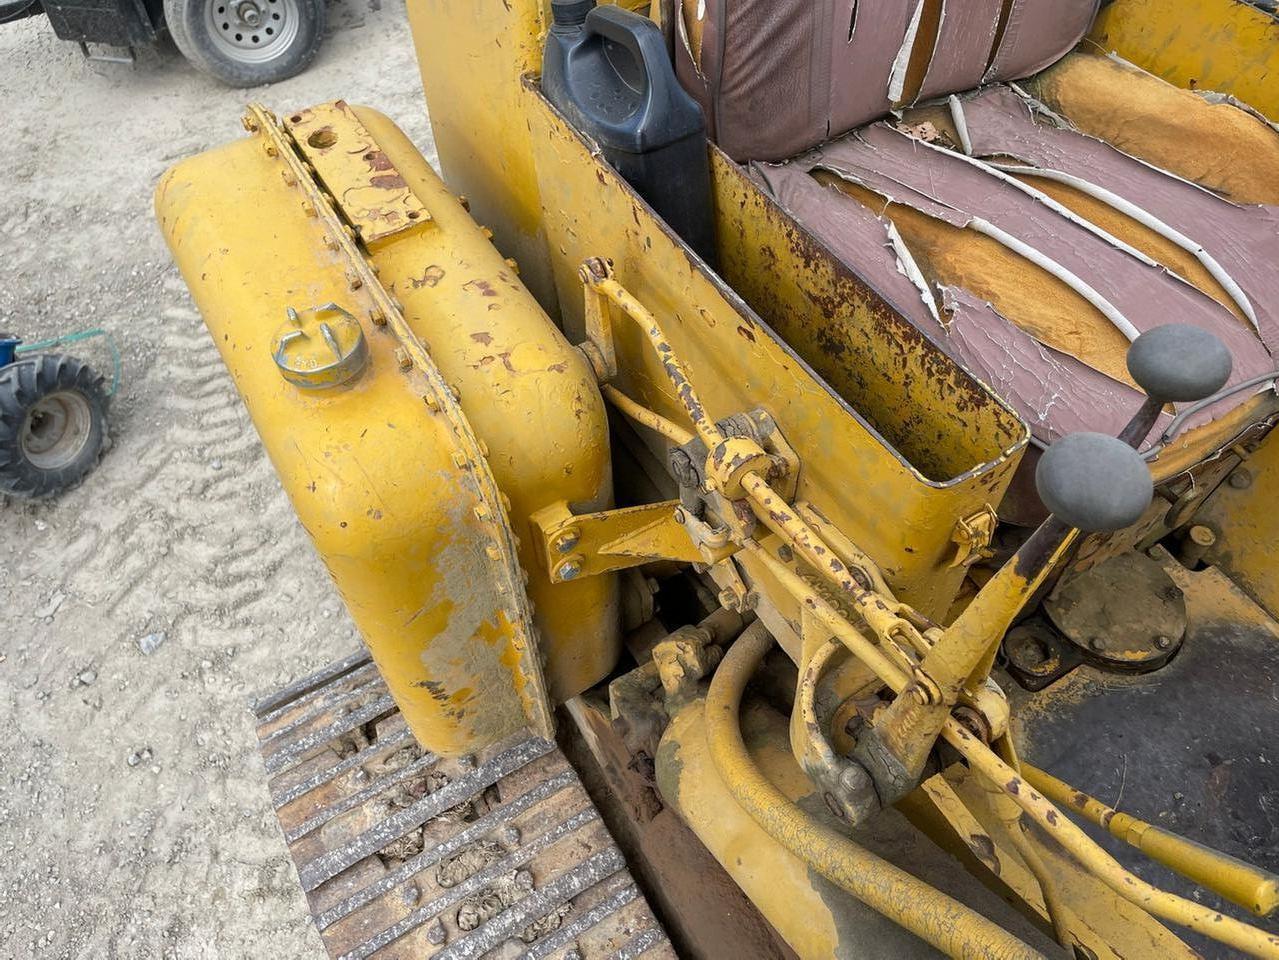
point(472, 54)
point(1241, 512)
point(884, 502)
point(1222, 45)
point(386, 472)
point(525, 391)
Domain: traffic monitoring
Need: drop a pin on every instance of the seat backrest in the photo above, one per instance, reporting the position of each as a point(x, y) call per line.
point(776, 77)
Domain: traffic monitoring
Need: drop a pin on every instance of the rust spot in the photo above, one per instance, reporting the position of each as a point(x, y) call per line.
point(377, 160)
point(483, 337)
point(984, 849)
point(1051, 817)
point(1014, 786)
point(484, 288)
point(430, 277)
point(388, 181)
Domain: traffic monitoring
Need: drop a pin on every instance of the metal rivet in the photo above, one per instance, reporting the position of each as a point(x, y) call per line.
point(1162, 642)
point(1097, 643)
point(1241, 479)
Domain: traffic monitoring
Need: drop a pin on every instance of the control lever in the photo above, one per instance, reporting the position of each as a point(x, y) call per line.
point(1175, 363)
point(1091, 483)
point(1098, 483)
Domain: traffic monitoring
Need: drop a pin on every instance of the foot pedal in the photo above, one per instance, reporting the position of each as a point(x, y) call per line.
point(405, 854)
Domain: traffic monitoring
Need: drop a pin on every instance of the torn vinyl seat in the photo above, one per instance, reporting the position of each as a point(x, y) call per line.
point(1031, 210)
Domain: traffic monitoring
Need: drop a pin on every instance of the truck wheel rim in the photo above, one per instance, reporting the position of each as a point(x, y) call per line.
point(56, 430)
point(251, 31)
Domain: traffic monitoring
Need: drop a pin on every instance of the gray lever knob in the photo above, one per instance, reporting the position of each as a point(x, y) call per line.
point(1094, 482)
point(1178, 363)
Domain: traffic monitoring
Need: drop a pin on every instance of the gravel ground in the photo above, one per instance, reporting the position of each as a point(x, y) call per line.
point(133, 815)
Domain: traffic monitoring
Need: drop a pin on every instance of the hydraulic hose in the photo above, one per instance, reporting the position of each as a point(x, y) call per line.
point(920, 908)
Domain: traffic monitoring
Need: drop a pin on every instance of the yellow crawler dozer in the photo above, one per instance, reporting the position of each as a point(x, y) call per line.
point(801, 458)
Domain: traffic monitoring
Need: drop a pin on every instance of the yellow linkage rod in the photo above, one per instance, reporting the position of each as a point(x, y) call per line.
point(1242, 883)
point(1159, 903)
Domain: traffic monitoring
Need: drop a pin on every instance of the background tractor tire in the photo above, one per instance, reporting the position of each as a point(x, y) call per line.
point(53, 424)
point(246, 43)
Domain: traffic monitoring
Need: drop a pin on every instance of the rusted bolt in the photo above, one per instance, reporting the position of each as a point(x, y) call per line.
point(250, 123)
point(513, 264)
point(308, 208)
point(728, 600)
point(430, 401)
point(329, 242)
point(269, 147)
point(287, 176)
point(1162, 642)
point(1097, 643)
point(567, 540)
point(378, 317)
point(570, 569)
point(465, 202)
point(403, 359)
point(354, 280)
point(1241, 479)
point(482, 513)
point(488, 234)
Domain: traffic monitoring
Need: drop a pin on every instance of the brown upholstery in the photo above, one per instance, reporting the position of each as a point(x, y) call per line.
point(776, 77)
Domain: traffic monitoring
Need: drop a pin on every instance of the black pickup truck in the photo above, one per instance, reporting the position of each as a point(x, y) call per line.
point(241, 42)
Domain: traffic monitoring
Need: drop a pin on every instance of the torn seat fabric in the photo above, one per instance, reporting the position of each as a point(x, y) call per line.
point(777, 77)
point(942, 234)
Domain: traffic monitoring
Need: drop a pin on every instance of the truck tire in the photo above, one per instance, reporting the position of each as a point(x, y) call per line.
point(246, 43)
point(53, 424)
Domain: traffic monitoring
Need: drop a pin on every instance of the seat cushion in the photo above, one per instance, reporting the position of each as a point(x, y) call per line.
point(777, 77)
point(1035, 259)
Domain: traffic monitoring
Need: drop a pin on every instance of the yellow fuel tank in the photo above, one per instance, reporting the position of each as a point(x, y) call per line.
point(417, 404)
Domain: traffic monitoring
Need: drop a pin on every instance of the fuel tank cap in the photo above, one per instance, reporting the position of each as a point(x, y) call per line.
point(320, 347)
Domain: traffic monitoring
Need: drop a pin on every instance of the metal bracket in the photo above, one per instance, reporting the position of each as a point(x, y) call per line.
point(582, 545)
point(374, 196)
point(972, 537)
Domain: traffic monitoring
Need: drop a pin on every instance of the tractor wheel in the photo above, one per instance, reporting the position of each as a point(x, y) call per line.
point(246, 43)
point(53, 424)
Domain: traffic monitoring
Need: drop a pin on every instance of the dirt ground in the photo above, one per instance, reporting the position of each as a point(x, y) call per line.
point(133, 817)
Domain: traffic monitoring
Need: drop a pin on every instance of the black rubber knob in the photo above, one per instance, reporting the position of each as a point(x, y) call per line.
point(1094, 482)
point(1178, 363)
point(570, 13)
